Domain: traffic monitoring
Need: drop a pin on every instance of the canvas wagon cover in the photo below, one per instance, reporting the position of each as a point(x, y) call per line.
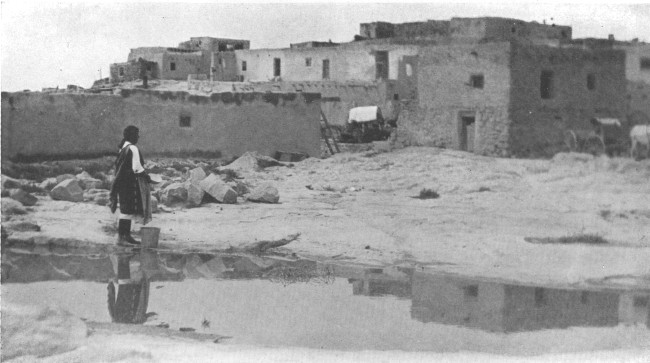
point(363, 114)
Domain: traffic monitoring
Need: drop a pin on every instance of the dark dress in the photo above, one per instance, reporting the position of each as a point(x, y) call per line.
point(126, 183)
point(130, 189)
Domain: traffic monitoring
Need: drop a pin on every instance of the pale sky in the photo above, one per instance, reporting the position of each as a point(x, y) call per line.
point(45, 45)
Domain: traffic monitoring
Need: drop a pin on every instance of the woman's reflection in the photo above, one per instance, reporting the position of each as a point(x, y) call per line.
point(128, 294)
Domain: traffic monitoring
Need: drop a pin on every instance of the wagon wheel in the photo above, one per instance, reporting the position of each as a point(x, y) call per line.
point(594, 146)
point(571, 141)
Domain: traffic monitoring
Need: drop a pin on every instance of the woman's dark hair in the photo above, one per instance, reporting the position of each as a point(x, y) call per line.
point(130, 134)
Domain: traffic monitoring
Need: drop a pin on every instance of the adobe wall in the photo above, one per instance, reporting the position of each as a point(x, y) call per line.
point(347, 62)
point(445, 93)
point(538, 124)
point(337, 98)
point(185, 64)
point(147, 53)
point(37, 124)
point(633, 54)
point(638, 103)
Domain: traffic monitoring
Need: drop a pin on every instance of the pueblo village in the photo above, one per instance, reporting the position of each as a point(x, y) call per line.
point(464, 188)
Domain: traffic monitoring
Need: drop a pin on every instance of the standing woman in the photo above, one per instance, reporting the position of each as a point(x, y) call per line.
point(130, 187)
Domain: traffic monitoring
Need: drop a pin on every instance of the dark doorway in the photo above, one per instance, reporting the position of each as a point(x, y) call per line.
point(381, 65)
point(467, 131)
point(326, 69)
point(276, 67)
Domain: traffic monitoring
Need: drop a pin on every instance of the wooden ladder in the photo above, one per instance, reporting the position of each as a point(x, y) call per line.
point(324, 131)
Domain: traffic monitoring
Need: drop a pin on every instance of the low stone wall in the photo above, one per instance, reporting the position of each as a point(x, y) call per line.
point(78, 125)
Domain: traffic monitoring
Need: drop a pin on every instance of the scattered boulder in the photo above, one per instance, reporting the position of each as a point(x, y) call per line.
point(63, 177)
point(239, 187)
point(219, 190)
point(196, 175)
point(39, 331)
point(69, 190)
point(252, 161)
point(194, 195)
point(48, 184)
point(174, 194)
point(10, 183)
point(10, 206)
point(23, 197)
point(23, 227)
point(265, 193)
point(86, 181)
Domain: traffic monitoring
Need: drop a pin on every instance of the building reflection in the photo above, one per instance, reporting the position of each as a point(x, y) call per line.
point(504, 307)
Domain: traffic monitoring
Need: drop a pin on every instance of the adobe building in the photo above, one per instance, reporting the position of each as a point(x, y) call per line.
point(192, 57)
point(511, 98)
point(492, 86)
point(637, 72)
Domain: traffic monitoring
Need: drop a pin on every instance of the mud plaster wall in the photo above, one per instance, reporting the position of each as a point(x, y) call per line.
point(185, 64)
point(638, 103)
point(80, 124)
point(337, 98)
point(633, 54)
point(444, 93)
point(538, 124)
point(346, 63)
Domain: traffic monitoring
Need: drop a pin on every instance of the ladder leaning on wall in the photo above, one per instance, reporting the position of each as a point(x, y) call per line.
point(326, 133)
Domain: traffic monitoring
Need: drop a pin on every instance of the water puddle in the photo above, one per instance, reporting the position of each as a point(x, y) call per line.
point(285, 302)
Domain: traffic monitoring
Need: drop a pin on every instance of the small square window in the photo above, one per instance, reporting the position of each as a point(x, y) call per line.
point(243, 65)
point(307, 62)
point(591, 81)
point(470, 292)
point(185, 121)
point(121, 71)
point(172, 66)
point(476, 81)
point(644, 64)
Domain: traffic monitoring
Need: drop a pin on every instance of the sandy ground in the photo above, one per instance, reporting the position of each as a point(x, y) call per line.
point(360, 208)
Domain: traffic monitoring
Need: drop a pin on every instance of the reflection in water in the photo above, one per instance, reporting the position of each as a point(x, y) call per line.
point(435, 298)
point(503, 307)
point(128, 294)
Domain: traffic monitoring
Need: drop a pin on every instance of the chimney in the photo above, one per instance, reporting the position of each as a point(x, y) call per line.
point(611, 37)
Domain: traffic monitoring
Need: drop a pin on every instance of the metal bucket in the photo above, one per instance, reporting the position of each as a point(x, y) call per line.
point(150, 237)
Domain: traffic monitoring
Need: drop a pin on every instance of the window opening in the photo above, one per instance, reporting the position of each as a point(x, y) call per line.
point(591, 81)
point(243, 65)
point(121, 71)
point(185, 121)
point(308, 62)
point(326, 69)
point(644, 64)
point(172, 66)
point(276, 67)
point(540, 297)
point(476, 81)
point(546, 85)
point(470, 292)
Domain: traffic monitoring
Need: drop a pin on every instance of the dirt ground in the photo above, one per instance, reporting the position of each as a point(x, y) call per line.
point(362, 208)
